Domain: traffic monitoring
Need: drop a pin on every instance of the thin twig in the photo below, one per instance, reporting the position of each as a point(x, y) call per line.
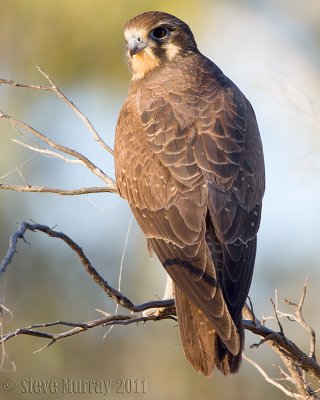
point(80, 327)
point(4, 355)
point(84, 160)
point(83, 117)
point(19, 166)
point(47, 152)
point(295, 360)
point(300, 319)
point(24, 85)
point(121, 271)
point(54, 89)
point(271, 380)
point(275, 309)
point(61, 192)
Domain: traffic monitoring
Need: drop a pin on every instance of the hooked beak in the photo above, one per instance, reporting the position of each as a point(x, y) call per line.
point(135, 45)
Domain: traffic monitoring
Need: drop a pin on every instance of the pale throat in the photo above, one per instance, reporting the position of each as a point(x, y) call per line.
point(143, 62)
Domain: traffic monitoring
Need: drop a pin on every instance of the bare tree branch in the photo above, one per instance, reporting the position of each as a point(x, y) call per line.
point(82, 159)
point(47, 152)
point(283, 346)
point(118, 297)
point(81, 327)
point(61, 192)
point(298, 317)
point(60, 150)
point(295, 360)
point(54, 89)
point(271, 380)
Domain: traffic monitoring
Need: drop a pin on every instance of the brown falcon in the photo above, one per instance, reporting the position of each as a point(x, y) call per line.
point(189, 161)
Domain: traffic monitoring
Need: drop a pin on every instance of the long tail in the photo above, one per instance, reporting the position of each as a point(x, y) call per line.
point(202, 346)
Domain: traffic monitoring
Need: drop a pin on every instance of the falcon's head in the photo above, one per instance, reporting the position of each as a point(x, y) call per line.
point(154, 38)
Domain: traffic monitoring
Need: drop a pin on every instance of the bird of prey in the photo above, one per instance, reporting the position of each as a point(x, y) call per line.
point(189, 161)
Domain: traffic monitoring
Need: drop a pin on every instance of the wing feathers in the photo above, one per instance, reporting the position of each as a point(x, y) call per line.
point(189, 161)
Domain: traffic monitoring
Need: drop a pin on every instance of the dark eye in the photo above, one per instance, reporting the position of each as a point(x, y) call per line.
point(159, 33)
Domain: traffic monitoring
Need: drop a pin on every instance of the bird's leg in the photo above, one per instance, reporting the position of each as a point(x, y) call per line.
point(169, 291)
point(168, 294)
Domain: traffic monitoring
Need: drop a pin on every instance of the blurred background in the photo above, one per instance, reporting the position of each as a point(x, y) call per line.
point(271, 50)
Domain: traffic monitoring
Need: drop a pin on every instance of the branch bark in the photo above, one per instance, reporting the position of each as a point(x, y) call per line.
point(118, 297)
point(294, 358)
point(61, 192)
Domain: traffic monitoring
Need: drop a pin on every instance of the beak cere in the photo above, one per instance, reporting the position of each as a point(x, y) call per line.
point(135, 45)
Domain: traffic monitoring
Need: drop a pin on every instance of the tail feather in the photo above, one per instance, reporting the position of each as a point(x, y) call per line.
point(197, 334)
point(201, 344)
point(226, 362)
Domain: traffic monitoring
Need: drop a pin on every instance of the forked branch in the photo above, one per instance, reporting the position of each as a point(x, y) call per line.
point(55, 89)
point(295, 359)
point(118, 297)
point(297, 363)
point(59, 151)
